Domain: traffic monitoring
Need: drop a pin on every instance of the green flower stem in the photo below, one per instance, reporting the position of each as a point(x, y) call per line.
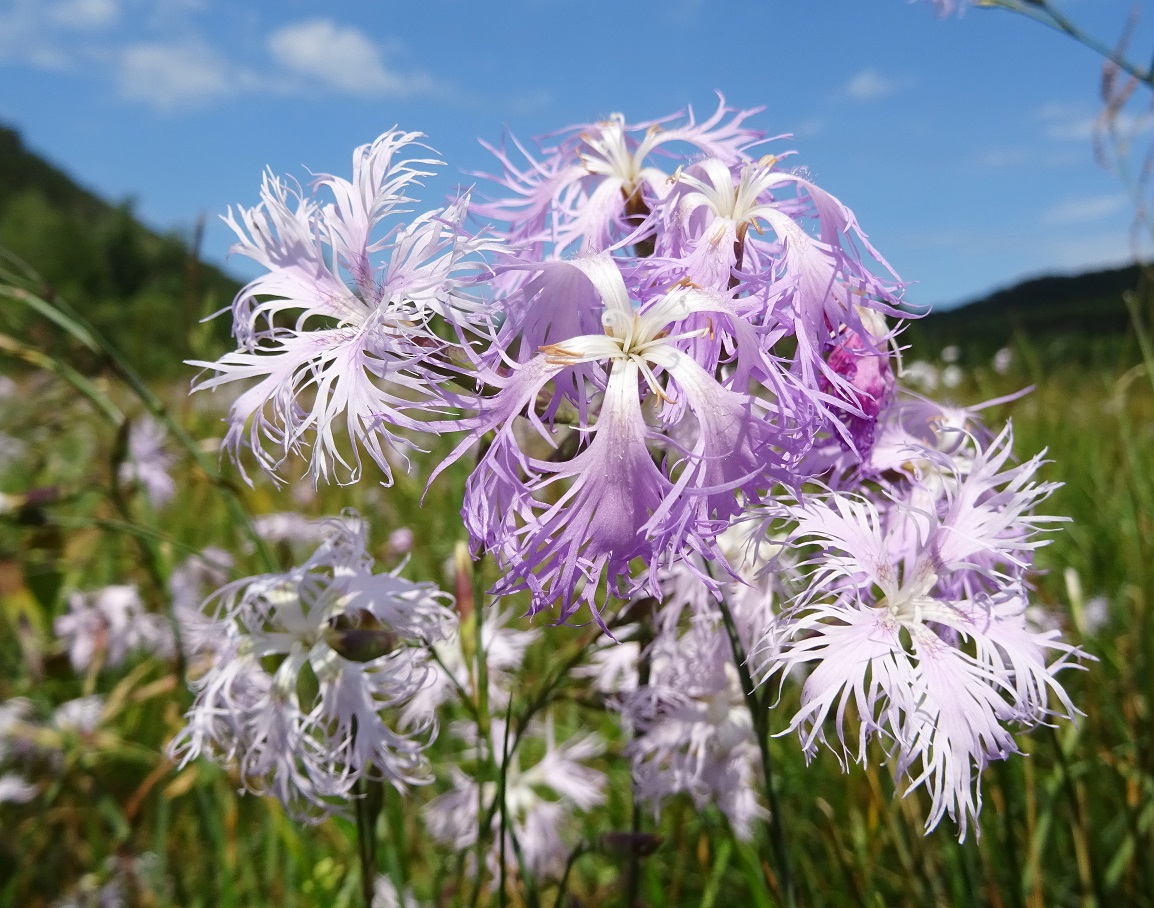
point(1043, 12)
point(41, 360)
point(563, 888)
point(367, 806)
point(759, 711)
point(644, 667)
point(503, 806)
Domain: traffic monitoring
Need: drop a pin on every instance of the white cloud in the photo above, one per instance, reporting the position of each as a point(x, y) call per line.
point(1009, 158)
point(1073, 123)
point(155, 54)
point(167, 76)
point(341, 58)
point(809, 128)
point(22, 38)
point(1077, 211)
point(1067, 122)
point(84, 15)
point(870, 85)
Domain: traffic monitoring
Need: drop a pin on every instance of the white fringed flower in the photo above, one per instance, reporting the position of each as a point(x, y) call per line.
point(693, 731)
point(539, 799)
point(109, 624)
point(308, 662)
point(338, 334)
point(147, 463)
point(914, 619)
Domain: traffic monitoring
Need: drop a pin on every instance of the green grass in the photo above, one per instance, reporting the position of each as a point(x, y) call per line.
point(1070, 823)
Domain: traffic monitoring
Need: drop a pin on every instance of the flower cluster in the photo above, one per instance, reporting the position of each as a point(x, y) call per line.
point(673, 357)
point(719, 329)
point(103, 627)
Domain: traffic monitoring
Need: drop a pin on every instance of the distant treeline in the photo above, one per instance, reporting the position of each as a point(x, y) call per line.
point(146, 291)
point(1081, 318)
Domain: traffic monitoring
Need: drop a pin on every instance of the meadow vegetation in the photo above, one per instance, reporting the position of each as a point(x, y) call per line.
point(1071, 824)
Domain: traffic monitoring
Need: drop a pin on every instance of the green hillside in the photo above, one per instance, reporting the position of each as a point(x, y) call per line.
point(145, 290)
point(1080, 319)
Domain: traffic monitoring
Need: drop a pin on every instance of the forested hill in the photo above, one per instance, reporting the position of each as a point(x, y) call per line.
point(147, 291)
point(1076, 317)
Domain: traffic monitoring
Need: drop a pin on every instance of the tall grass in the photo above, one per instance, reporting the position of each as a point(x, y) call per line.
point(1071, 823)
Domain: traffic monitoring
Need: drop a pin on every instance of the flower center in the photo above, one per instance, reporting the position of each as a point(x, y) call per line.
point(909, 602)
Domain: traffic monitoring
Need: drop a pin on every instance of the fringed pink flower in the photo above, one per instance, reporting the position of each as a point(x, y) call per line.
point(337, 341)
point(914, 621)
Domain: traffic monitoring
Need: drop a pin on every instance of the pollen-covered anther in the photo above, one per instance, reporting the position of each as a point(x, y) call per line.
point(557, 355)
point(654, 385)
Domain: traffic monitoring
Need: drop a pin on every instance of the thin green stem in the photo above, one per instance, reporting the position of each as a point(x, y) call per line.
point(47, 310)
point(367, 806)
point(502, 778)
point(481, 692)
point(633, 869)
point(507, 833)
point(544, 695)
point(1080, 821)
point(462, 694)
point(563, 886)
point(112, 525)
point(1042, 12)
point(1133, 301)
point(486, 814)
point(40, 360)
point(759, 712)
point(479, 644)
point(394, 808)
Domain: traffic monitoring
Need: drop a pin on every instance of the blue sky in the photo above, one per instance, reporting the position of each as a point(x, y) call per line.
point(963, 145)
